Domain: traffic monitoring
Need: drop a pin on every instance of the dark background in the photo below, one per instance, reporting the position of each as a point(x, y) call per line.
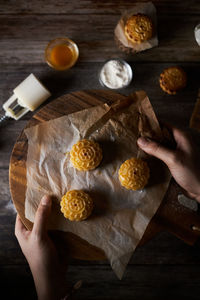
point(166, 267)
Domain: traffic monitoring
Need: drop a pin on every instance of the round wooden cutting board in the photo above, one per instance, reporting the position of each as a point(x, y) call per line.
point(177, 223)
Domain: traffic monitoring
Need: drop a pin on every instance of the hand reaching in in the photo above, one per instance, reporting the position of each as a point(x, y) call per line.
point(42, 255)
point(183, 162)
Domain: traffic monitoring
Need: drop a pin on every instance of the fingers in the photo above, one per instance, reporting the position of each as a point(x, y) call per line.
point(157, 150)
point(20, 229)
point(182, 139)
point(41, 216)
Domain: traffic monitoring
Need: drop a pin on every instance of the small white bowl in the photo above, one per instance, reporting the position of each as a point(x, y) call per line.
point(128, 70)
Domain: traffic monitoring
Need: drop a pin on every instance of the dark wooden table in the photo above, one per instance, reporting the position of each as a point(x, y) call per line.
point(165, 267)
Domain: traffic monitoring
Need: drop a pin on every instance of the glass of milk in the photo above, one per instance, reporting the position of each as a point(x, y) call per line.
point(197, 34)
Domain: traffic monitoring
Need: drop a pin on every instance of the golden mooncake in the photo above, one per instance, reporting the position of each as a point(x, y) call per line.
point(86, 155)
point(138, 28)
point(134, 174)
point(172, 80)
point(76, 205)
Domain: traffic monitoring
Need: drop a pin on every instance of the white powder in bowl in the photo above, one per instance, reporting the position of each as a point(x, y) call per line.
point(116, 74)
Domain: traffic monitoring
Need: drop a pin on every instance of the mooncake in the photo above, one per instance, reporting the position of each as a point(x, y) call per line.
point(134, 174)
point(172, 80)
point(138, 28)
point(85, 155)
point(76, 205)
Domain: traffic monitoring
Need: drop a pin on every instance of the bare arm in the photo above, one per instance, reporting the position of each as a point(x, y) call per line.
point(42, 255)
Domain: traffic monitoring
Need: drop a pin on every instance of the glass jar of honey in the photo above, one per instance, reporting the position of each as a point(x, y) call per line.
point(61, 53)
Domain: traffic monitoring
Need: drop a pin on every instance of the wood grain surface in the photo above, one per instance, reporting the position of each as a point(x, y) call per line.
point(170, 216)
point(165, 267)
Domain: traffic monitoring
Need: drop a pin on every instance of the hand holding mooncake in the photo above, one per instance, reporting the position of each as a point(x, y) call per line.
point(86, 155)
point(76, 205)
point(134, 174)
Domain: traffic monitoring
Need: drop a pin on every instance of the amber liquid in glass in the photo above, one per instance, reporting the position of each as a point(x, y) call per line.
point(61, 56)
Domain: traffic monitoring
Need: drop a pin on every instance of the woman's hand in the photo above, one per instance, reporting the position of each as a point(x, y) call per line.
point(183, 162)
point(42, 255)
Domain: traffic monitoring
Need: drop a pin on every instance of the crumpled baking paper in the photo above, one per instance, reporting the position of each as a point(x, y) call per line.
point(120, 216)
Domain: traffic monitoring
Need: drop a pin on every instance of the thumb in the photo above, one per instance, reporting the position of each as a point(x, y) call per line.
point(157, 150)
point(41, 216)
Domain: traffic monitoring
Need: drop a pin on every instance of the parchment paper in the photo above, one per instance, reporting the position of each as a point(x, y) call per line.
point(120, 216)
point(144, 8)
